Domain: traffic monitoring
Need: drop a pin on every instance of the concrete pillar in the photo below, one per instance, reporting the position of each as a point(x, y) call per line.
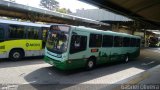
point(117, 27)
point(145, 39)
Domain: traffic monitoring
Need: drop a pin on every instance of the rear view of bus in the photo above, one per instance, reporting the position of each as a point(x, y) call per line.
point(57, 45)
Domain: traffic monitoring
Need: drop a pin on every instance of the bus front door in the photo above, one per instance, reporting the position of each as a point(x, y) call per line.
point(78, 49)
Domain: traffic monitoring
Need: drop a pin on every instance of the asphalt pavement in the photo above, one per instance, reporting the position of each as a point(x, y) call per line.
point(34, 73)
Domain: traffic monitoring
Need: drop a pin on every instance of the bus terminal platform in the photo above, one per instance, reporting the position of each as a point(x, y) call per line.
point(148, 80)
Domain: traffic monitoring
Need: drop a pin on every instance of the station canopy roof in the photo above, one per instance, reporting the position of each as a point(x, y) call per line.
point(11, 9)
point(146, 11)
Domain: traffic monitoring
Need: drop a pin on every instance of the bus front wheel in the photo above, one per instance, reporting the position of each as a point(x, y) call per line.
point(16, 55)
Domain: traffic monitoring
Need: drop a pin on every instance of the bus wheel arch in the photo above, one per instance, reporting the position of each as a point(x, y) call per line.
point(91, 62)
point(16, 54)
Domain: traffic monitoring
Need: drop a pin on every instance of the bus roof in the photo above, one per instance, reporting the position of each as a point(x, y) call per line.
point(23, 23)
point(87, 29)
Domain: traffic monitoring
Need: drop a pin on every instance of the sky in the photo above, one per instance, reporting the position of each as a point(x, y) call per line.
point(69, 4)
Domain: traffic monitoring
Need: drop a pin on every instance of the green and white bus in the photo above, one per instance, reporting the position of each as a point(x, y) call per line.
point(21, 39)
point(70, 47)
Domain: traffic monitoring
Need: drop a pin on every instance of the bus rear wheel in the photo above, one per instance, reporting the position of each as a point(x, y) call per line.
point(15, 55)
point(90, 64)
point(126, 59)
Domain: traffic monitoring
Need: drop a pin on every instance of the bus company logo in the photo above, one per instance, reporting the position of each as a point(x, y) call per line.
point(2, 47)
point(32, 44)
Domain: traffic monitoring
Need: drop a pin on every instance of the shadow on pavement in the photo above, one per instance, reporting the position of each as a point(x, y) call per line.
point(52, 78)
point(5, 63)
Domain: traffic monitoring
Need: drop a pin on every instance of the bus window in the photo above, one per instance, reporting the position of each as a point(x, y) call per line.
point(44, 36)
point(126, 42)
point(95, 40)
point(118, 41)
point(1, 33)
point(16, 32)
point(107, 41)
point(133, 42)
point(138, 43)
point(78, 43)
point(33, 32)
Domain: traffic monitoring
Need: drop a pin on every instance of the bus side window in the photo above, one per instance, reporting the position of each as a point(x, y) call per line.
point(78, 43)
point(1, 33)
point(44, 36)
point(138, 43)
point(33, 32)
point(118, 41)
point(107, 41)
point(133, 42)
point(95, 40)
point(16, 31)
point(126, 42)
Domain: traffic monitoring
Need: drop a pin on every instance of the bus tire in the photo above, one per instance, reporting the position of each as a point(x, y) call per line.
point(16, 54)
point(90, 64)
point(126, 59)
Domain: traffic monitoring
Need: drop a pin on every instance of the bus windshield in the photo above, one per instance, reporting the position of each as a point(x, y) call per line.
point(57, 39)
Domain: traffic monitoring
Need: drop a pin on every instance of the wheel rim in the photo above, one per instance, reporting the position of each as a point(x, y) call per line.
point(126, 59)
point(16, 55)
point(90, 64)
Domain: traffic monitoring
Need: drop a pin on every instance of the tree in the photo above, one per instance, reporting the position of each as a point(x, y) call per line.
point(69, 11)
point(63, 10)
point(49, 4)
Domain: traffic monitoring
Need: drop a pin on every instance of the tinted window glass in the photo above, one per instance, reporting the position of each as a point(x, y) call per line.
point(133, 42)
point(16, 32)
point(33, 32)
point(107, 41)
point(138, 43)
point(118, 41)
point(44, 35)
point(126, 42)
point(95, 40)
point(78, 43)
point(1, 33)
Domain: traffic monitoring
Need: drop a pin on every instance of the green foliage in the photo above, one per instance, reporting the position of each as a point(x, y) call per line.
point(53, 5)
point(63, 10)
point(49, 4)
